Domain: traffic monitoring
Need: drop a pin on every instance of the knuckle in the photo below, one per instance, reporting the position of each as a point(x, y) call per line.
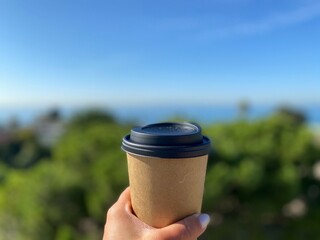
point(112, 211)
point(158, 235)
point(187, 233)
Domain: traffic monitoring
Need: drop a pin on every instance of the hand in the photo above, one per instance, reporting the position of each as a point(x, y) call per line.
point(122, 224)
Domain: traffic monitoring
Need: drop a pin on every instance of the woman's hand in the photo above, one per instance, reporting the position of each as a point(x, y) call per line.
point(122, 224)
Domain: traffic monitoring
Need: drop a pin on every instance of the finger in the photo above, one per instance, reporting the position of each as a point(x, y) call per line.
point(188, 228)
point(124, 201)
point(124, 196)
point(120, 205)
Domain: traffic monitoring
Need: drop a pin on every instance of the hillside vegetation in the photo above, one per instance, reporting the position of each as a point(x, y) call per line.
point(263, 180)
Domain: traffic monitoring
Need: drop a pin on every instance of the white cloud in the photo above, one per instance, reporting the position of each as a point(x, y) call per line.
point(267, 24)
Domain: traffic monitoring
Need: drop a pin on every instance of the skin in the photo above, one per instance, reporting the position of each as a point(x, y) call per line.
point(122, 224)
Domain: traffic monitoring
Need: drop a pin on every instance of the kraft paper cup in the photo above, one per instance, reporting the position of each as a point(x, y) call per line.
point(167, 167)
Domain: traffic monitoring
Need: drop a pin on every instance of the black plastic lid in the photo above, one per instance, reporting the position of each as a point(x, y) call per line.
point(167, 140)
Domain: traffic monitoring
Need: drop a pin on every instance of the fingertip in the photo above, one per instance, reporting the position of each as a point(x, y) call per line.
point(204, 220)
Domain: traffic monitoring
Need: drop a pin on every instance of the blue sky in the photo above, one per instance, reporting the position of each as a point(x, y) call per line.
point(159, 52)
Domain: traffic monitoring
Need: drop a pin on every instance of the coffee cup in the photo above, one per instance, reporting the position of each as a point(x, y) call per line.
point(167, 167)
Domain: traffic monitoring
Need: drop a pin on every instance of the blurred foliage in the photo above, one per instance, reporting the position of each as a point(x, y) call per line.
point(22, 150)
point(260, 180)
point(256, 170)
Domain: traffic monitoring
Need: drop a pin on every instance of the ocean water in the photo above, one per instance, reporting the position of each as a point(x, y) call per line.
point(207, 114)
point(149, 114)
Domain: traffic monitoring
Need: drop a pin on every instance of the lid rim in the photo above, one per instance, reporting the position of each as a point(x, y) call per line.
point(176, 151)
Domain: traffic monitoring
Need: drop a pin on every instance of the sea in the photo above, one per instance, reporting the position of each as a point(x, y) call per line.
point(203, 114)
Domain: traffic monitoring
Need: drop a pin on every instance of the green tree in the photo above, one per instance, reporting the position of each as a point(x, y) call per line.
point(256, 169)
point(66, 197)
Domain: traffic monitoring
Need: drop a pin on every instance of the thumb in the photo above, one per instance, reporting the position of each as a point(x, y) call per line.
point(188, 228)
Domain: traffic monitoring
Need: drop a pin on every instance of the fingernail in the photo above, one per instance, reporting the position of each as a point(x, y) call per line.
point(204, 220)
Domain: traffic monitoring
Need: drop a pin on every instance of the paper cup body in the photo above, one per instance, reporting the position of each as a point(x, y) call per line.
point(165, 190)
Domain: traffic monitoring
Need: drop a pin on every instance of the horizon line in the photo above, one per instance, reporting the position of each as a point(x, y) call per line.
point(156, 104)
